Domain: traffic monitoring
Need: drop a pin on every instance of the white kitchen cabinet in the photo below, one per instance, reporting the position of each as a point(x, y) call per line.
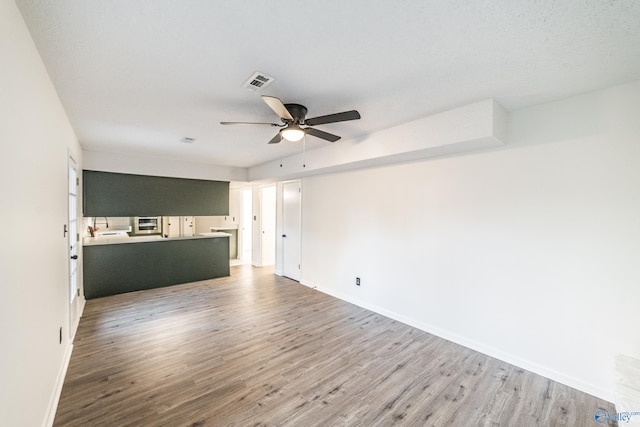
point(187, 226)
point(171, 226)
point(178, 226)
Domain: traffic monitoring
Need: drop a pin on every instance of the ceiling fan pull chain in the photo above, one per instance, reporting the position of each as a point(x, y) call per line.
point(281, 150)
point(304, 149)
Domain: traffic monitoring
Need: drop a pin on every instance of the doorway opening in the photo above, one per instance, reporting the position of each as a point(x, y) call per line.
point(246, 228)
point(267, 226)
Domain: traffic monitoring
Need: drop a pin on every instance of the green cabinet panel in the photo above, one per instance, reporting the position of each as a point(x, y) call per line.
point(119, 268)
point(117, 194)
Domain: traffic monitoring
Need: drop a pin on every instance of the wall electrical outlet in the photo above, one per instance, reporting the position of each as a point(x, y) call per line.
point(357, 281)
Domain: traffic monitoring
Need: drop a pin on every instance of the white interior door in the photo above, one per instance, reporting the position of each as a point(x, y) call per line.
point(291, 229)
point(73, 238)
point(268, 225)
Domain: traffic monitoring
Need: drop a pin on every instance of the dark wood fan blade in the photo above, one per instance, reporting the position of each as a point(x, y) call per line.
point(277, 106)
point(276, 139)
point(249, 123)
point(322, 134)
point(333, 118)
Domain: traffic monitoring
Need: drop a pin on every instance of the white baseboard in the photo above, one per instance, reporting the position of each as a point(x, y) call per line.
point(83, 301)
point(62, 373)
point(528, 365)
point(628, 390)
point(55, 397)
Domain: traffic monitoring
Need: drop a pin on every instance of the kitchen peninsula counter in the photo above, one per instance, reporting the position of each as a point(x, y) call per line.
point(119, 264)
point(114, 240)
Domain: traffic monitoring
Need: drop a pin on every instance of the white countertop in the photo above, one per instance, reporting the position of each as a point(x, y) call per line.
point(116, 240)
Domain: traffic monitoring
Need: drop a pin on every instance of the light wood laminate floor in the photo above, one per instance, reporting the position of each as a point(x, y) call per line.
point(255, 349)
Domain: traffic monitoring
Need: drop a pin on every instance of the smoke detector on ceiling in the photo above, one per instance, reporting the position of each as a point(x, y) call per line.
point(258, 81)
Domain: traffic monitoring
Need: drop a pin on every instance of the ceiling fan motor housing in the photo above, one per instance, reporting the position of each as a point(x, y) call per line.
point(299, 112)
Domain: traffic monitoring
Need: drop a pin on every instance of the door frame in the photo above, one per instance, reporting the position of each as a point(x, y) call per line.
point(76, 297)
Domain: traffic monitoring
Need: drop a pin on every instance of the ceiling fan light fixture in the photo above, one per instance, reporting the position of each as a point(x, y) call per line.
point(294, 115)
point(292, 133)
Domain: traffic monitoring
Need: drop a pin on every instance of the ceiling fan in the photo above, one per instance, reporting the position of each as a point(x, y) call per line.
point(293, 118)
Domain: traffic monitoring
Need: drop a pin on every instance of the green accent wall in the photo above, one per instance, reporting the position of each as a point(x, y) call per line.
point(118, 268)
point(117, 194)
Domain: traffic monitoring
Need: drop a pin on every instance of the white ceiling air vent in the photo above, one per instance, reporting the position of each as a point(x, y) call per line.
point(258, 81)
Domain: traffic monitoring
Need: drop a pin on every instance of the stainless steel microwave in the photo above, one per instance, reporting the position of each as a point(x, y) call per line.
point(147, 225)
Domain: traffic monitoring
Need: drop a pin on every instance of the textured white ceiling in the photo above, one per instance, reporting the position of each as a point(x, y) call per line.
point(137, 76)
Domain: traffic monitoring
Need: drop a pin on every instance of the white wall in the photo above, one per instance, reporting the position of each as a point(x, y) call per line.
point(154, 166)
point(528, 252)
point(470, 127)
point(36, 138)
